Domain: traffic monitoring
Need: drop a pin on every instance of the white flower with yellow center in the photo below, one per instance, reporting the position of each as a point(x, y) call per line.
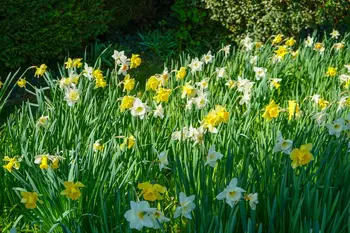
point(202, 84)
point(220, 72)
point(159, 112)
point(139, 109)
point(309, 41)
point(253, 200)
point(163, 160)
point(259, 72)
point(213, 156)
point(43, 120)
point(226, 50)
point(231, 193)
point(336, 127)
point(43, 160)
point(253, 60)
point(282, 144)
point(186, 206)
point(87, 72)
point(140, 215)
point(208, 58)
point(335, 34)
point(196, 65)
point(72, 95)
point(320, 117)
point(158, 218)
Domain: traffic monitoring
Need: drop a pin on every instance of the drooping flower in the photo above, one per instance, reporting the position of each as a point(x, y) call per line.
point(271, 111)
point(253, 200)
point(55, 159)
point(140, 215)
point(186, 206)
point(232, 193)
point(21, 82)
point(226, 50)
point(88, 71)
point(213, 156)
point(13, 162)
point(181, 74)
point(135, 61)
point(98, 146)
point(43, 160)
point(129, 83)
point(40, 71)
point(151, 192)
point(282, 144)
point(302, 156)
point(72, 190)
point(43, 120)
point(129, 142)
point(29, 199)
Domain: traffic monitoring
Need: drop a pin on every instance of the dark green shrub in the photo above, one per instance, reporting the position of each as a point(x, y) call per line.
point(37, 30)
point(265, 18)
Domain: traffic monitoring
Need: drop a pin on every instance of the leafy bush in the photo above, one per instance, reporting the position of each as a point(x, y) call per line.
point(264, 18)
point(34, 31)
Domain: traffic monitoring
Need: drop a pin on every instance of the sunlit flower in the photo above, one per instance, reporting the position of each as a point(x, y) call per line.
point(259, 72)
point(271, 111)
point(40, 71)
point(290, 42)
point(195, 65)
point(207, 58)
point(186, 206)
point(43, 120)
point(201, 100)
point(71, 96)
point(319, 47)
point(119, 57)
point(295, 53)
point(43, 160)
point(320, 117)
point(230, 84)
point(322, 103)
point(129, 142)
point(277, 39)
point(282, 144)
point(129, 83)
point(220, 72)
point(13, 162)
point(55, 159)
point(281, 52)
point(152, 83)
point(127, 103)
point(140, 215)
point(188, 91)
point(336, 127)
point(22, 82)
point(135, 61)
point(213, 156)
point(226, 50)
point(301, 156)
point(29, 199)
point(139, 109)
point(151, 192)
point(181, 74)
point(309, 41)
point(253, 200)
point(72, 190)
point(339, 46)
point(253, 60)
point(203, 84)
point(247, 43)
point(293, 109)
point(164, 76)
point(232, 193)
point(331, 72)
point(335, 34)
point(162, 95)
point(275, 83)
point(124, 67)
point(71, 63)
point(159, 111)
point(98, 146)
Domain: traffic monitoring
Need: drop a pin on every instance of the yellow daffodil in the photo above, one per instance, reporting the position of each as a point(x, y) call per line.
point(290, 42)
point(151, 192)
point(271, 111)
point(97, 74)
point(331, 72)
point(135, 61)
point(277, 39)
point(11, 163)
point(188, 91)
point(21, 82)
point(127, 103)
point(29, 199)
point(162, 95)
point(322, 103)
point(301, 156)
point(129, 143)
point(152, 83)
point(98, 146)
point(72, 190)
point(258, 44)
point(55, 161)
point(181, 74)
point(281, 52)
point(222, 114)
point(40, 71)
point(129, 83)
point(293, 109)
point(77, 62)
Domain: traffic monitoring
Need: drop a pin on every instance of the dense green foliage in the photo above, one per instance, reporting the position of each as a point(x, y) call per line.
point(262, 19)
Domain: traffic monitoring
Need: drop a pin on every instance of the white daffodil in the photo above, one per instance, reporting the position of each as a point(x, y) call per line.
point(226, 50)
point(320, 117)
point(43, 160)
point(159, 112)
point(259, 72)
point(245, 98)
point(231, 193)
point(87, 72)
point(186, 206)
point(139, 109)
point(253, 60)
point(202, 84)
point(208, 58)
point(213, 156)
point(347, 67)
point(253, 200)
point(282, 144)
point(342, 103)
point(119, 57)
point(196, 65)
point(316, 98)
point(247, 43)
point(220, 72)
point(309, 41)
point(43, 120)
point(163, 160)
point(140, 215)
point(124, 67)
point(336, 127)
point(158, 218)
point(335, 34)
point(72, 95)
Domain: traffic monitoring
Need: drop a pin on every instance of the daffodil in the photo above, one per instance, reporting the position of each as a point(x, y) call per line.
point(188, 91)
point(282, 144)
point(319, 47)
point(336, 127)
point(139, 109)
point(163, 160)
point(213, 156)
point(290, 42)
point(181, 74)
point(140, 215)
point(331, 72)
point(293, 109)
point(22, 82)
point(40, 71)
point(127, 103)
point(158, 218)
point(55, 159)
point(13, 162)
point(271, 111)
point(259, 72)
point(98, 146)
point(43, 160)
point(220, 72)
point(129, 83)
point(151, 192)
point(277, 39)
point(275, 83)
point(162, 95)
point(29, 199)
point(1, 84)
point(207, 58)
point(186, 206)
point(232, 193)
point(71, 96)
point(119, 57)
point(159, 111)
point(253, 200)
point(302, 156)
point(335, 34)
point(72, 190)
point(135, 61)
point(152, 83)
point(309, 41)
point(281, 52)
point(43, 120)
point(195, 65)
point(129, 142)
